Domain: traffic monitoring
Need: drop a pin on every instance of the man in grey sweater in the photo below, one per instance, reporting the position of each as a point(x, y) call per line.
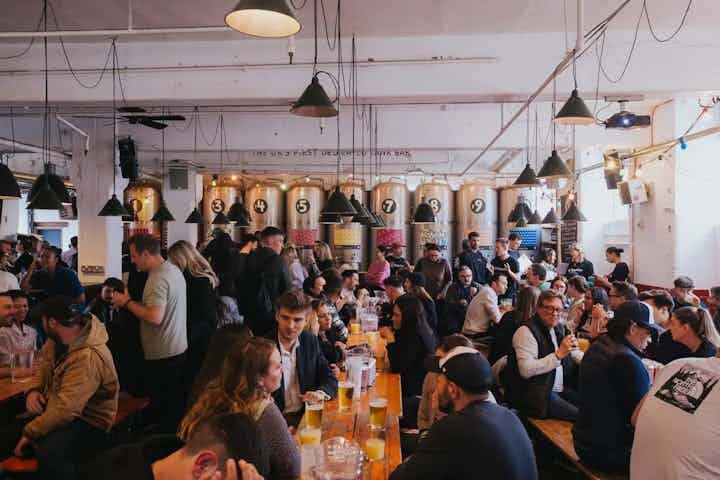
point(437, 271)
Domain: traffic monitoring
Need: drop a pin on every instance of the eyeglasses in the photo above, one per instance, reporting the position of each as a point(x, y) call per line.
point(551, 309)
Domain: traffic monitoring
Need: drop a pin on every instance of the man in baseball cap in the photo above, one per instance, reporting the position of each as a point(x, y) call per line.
point(682, 293)
point(475, 434)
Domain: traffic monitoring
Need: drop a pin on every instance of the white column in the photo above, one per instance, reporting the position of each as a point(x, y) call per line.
point(180, 202)
point(99, 238)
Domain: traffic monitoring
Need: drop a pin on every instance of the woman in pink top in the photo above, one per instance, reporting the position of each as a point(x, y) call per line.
point(378, 270)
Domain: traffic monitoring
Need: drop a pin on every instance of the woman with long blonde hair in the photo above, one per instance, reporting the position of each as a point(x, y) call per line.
point(323, 256)
point(201, 281)
point(251, 372)
point(297, 271)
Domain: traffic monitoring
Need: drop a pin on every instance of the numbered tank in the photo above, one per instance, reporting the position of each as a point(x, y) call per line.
point(217, 199)
point(347, 240)
point(265, 202)
point(391, 200)
point(439, 196)
point(304, 202)
point(143, 196)
point(476, 207)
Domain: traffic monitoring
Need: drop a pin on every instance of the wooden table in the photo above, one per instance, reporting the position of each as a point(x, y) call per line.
point(355, 424)
point(10, 390)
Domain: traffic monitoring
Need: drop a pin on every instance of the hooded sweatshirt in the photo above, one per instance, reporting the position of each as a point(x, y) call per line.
point(80, 382)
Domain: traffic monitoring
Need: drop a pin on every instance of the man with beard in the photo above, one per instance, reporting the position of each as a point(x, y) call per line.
point(477, 439)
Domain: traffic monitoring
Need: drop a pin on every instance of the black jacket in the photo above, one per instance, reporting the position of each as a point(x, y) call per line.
point(483, 440)
point(665, 350)
point(532, 395)
point(131, 461)
point(502, 334)
point(313, 370)
point(407, 355)
point(201, 315)
point(264, 269)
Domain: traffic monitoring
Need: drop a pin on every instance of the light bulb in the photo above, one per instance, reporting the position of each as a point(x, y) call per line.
point(213, 183)
point(233, 177)
point(283, 186)
point(571, 196)
point(307, 179)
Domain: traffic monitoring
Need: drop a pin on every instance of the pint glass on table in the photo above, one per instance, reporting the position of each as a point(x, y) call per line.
point(313, 414)
point(378, 412)
point(345, 395)
point(310, 436)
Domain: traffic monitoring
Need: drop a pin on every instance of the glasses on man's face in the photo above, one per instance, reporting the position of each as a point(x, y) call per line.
point(553, 310)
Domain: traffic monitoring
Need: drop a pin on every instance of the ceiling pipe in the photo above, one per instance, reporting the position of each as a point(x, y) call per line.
point(564, 63)
point(77, 129)
point(579, 37)
point(114, 32)
point(33, 149)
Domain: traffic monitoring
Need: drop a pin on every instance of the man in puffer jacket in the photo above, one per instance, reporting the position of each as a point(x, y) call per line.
point(73, 397)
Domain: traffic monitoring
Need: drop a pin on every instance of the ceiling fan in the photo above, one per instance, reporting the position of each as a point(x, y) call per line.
point(135, 115)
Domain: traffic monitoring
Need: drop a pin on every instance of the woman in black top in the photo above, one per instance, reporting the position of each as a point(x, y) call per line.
point(511, 321)
point(691, 333)
point(25, 258)
point(409, 341)
point(415, 285)
point(579, 265)
point(621, 272)
point(201, 283)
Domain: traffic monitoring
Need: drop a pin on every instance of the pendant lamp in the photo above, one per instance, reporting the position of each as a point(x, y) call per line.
point(574, 112)
point(263, 18)
point(330, 219)
point(424, 213)
point(534, 219)
point(339, 204)
point(527, 178)
point(522, 222)
point(239, 214)
point(162, 214)
point(9, 188)
point(221, 219)
point(54, 182)
point(195, 217)
point(573, 214)
point(130, 217)
point(554, 167)
point(379, 222)
point(362, 215)
point(552, 218)
point(521, 209)
point(314, 102)
point(113, 207)
point(45, 199)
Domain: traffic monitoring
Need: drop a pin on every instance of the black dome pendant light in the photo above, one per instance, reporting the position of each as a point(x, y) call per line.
point(574, 112)
point(314, 102)
point(221, 218)
point(43, 194)
point(162, 214)
point(263, 18)
point(527, 178)
point(113, 207)
point(195, 216)
point(554, 167)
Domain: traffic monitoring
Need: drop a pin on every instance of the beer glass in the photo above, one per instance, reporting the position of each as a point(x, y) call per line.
point(378, 412)
point(21, 365)
point(375, 446)
point(345, 395)
point(380, 360)
point(310, 436)
point(313, 413)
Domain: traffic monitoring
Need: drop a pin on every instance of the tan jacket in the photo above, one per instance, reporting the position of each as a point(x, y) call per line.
point(82, 383)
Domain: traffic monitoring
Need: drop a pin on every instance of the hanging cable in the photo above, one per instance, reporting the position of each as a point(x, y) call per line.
point(677, 30)
point(25, 50)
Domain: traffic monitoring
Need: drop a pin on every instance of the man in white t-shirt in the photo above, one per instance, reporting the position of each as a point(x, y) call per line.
point(677, 431)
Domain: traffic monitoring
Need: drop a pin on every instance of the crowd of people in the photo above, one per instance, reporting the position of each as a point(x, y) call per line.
point(228, 340)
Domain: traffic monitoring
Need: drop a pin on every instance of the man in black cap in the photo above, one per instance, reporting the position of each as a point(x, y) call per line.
point(478, 439)
point(613, 380)
point(682, 293)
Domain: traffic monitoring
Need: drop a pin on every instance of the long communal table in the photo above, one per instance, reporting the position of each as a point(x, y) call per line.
point(355, 424)
point(10, 390)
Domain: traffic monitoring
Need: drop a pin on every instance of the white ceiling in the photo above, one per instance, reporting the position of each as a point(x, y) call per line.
point(363, 17)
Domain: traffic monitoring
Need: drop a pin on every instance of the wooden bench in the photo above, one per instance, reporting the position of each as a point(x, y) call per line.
point(127, 406)
point(559, 433)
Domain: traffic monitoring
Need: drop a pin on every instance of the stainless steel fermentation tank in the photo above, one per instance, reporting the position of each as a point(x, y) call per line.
point(348, 239)
point(476, 205)
point(439, 196)
point(391, 200)
point(265, 203)
point(304, 202)
point(217, 199)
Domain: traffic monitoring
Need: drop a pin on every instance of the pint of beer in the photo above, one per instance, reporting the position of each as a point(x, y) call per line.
point(380, 363)
point(378, 412)
point(345, 395)
point(310, 436)
point(375, 448)
point(583, 344)
point(313, 414)
point(355, 327)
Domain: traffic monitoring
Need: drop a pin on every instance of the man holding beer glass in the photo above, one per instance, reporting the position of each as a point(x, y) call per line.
point(307, 376)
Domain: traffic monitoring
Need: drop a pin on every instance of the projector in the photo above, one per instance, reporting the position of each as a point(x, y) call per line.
point(626, 119)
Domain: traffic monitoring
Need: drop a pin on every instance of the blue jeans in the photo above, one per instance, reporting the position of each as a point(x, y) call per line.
point(563, 405)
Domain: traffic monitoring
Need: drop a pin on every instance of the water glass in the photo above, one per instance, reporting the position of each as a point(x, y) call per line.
point(21, 365)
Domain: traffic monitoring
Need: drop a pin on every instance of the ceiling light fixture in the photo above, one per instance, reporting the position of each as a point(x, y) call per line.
point(195, 216)
point(424, 213)
point(162, 214)
point(554, 166)
point(263, 18)
point(314, 102)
